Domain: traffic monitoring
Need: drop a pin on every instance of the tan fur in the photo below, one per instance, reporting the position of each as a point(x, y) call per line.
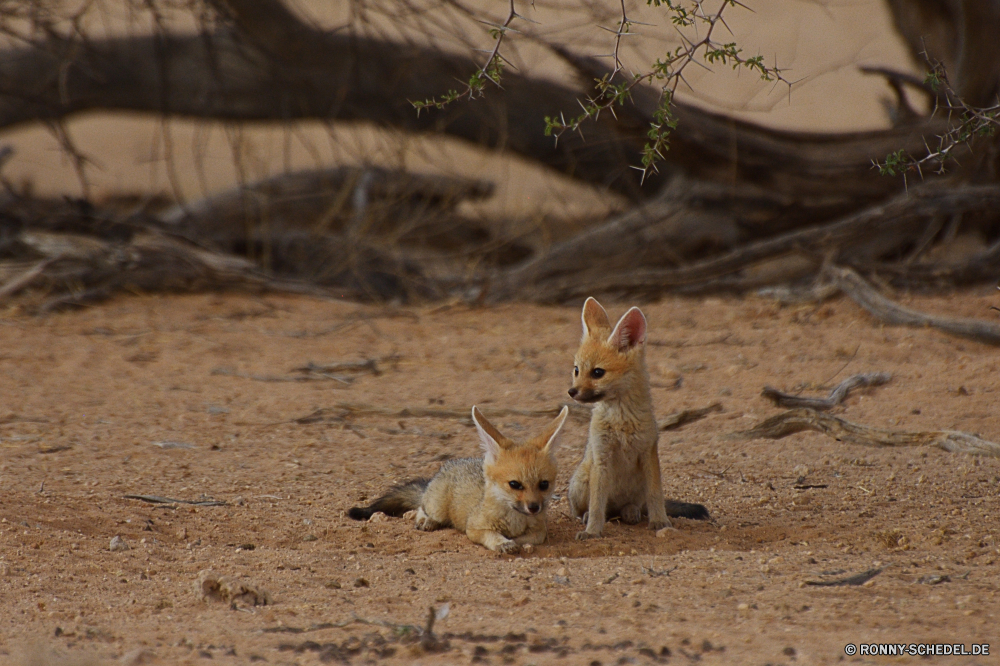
point(620, 471)
point(474, 495)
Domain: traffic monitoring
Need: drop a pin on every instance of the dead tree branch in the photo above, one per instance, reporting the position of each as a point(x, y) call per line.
point(883, 309)
point(958, 34)
point(799, 420)
point(77, 253)
point(641, 245)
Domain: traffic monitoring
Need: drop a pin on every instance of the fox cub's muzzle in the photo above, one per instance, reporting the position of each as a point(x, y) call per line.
point(585, 395)
point(528, 508)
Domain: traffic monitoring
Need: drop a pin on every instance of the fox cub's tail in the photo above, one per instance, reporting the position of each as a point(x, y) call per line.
point(396, 502)
point(677, 509)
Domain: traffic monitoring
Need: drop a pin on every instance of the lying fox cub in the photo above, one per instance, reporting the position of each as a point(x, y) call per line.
point(499, 500)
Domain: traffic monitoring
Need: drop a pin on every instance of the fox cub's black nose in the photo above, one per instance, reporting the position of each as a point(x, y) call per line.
point(573, 391)
point(534, 508)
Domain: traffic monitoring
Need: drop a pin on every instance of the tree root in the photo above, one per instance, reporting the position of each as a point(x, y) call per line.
point(799, 420)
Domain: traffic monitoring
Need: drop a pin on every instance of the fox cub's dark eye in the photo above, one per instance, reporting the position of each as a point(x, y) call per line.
point(576, 371)
point(543, 485)
point(516, 485)
point(597, 373)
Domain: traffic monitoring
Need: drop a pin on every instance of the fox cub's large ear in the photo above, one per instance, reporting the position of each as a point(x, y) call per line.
point(595, 319)
point(547, 440)
point(490, 438)
point(630, 331)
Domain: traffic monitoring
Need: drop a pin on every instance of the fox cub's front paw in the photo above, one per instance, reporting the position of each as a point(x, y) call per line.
point(657, 525)
point(583, 535)
point(425, 523)
point(509, 548)
point(631, 514)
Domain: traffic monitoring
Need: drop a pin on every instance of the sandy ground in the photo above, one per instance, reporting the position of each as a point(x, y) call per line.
point(166, 396)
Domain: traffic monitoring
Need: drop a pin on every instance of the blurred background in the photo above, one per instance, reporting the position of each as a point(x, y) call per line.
point(820, 44)
point(275, 145)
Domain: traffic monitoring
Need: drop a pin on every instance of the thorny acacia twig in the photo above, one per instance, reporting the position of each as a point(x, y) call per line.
point(491, 70)
point(615, 88)
point(972, 123)
point(668, 72)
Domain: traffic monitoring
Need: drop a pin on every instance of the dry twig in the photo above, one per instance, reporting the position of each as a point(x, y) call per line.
point(674, 421)
point(856, 579)
point(837, 395)
point(156, 499)
point(372, 365)
point(315, 375)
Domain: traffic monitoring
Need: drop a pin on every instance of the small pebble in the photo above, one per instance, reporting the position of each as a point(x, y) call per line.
point(117, 544)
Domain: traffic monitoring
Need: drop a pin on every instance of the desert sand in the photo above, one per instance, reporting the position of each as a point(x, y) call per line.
point(194, 398)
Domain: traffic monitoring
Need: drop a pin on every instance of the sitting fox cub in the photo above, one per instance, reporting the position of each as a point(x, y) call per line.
point(499, 501)
point(620, 471)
